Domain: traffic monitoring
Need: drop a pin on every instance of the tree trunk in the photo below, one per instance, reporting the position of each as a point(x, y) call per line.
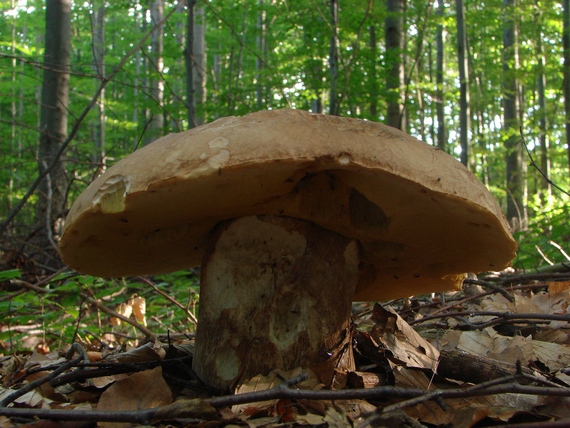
point(464, 102)
point(334, 107)
point(566, 43)
point(260, 91)
point(440, 94)
point(511, 108)
point(156, 124)
point(373, 75)
point(194, 56)
point(545, 186)
point(394, 64)
point(50, 207)
point(98, 26)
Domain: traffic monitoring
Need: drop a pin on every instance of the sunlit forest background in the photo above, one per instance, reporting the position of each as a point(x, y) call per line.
point(83, 84)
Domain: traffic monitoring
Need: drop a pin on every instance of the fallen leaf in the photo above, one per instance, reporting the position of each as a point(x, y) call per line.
point(398, 337)
point(143, 390)
point(262, 383)
point(139, 309)
point(335, 419)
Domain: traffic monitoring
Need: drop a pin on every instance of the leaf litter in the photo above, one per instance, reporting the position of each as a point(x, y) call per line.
point(474, 358)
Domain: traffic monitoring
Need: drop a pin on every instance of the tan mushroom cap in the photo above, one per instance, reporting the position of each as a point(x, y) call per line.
point(422, 219)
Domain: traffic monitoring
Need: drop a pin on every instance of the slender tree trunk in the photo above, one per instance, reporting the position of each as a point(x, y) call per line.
point(511, 108)
point(50, 208)
point(194, 56)
point(98, 26)
point(464, 102)
point(334, 107)
point(566, 43)
point(139, 61)
point(156, 125)
point(373, 75)
point(545, 186)
point(394, 63)
point(440, 94)
point(419, 73)
point(189, 60)
point(260, 91)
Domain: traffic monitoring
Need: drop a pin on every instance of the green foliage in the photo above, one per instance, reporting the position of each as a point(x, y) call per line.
point(548, 230)
point(63, 313)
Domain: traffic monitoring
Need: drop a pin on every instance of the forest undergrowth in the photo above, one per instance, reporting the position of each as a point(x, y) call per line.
point(91, 351)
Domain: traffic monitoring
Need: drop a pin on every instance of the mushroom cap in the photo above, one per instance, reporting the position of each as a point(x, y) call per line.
point(422, 219)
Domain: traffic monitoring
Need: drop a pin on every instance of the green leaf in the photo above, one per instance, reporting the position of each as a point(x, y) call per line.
point(10, 274)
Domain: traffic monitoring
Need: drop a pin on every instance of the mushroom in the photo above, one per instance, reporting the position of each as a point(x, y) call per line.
point(292, 216)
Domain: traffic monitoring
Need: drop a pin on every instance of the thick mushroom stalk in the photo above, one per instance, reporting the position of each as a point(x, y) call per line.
point(275, 292)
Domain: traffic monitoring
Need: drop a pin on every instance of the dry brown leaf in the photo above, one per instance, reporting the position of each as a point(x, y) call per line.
point(34, 399)
point(468, 416)
point(489, 343)
point(310, 419)
point(407, 378)
point(553, 355)
point(405, 344)
point(466, 412)
point(558, 407)
point(5, 422)
point(335, 419)
point(353, 409)
point(268, 421)
point(561, 288)
point(139, 309)
point(554, 334)
point(555, 301)
point(125, 309)
point(273, 379)
point(143, 390)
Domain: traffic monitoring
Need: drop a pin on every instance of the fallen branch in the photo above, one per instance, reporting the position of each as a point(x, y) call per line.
point(205, 408)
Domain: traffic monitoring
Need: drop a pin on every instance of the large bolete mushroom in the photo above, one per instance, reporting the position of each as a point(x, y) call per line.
point(292, 216)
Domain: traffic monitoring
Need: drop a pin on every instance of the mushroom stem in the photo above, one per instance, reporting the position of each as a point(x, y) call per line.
point(275, 293)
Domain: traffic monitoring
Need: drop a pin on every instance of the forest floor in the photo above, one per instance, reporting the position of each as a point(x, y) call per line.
point(495, 354)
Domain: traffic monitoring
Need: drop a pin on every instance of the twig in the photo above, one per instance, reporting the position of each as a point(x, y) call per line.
point(559, 248)
point(111, 368)
point(492, 286)
point(533, 164)
point(171, 299)
point(149, 334)
point(499, 316)
point(544, 256)
point(198, 408)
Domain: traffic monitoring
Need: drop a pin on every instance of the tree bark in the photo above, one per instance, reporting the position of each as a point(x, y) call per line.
point(260, 89)
point(511, 108)
point(566, 43)
point(394, 63)
point(194, 56)
point(545, 186)
point(98, 26)
point(156, 121)
point(464, 102)
point(373, 75)
point(50, 207)
point(334, 107)
point(440, 94)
